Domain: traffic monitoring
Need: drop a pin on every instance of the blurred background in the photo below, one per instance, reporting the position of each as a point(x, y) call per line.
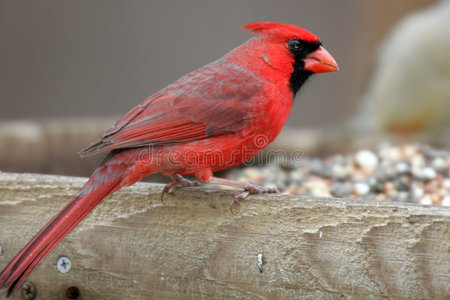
point(67, 64)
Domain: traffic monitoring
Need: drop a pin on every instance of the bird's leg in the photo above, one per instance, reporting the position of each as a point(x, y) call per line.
point(249, 188)
point(177, 180)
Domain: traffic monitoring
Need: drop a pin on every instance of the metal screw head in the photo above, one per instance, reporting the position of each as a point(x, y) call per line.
point(28, 291)
point(63, 264)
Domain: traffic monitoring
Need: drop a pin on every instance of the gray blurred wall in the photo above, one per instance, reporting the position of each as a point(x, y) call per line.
point(102, 57)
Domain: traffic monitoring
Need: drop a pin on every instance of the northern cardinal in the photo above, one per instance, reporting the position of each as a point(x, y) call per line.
point(214, 118)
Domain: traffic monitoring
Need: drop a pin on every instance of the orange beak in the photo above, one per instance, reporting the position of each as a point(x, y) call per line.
point(320, 61)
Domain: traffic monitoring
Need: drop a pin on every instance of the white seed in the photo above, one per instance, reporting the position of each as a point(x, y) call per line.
point(367, 160)
point(418, 191)
point(446, 183)
point(428, 173)
point(361, 188)
point(446, 201)
point(439, 164)
point(340, 171)
point(418, 160)
point(401, 167)
point(426, 201)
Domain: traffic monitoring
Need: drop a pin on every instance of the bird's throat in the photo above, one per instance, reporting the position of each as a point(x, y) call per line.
point(298, 76)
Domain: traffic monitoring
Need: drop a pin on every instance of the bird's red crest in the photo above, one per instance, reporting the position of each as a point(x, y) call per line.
point(282, 30)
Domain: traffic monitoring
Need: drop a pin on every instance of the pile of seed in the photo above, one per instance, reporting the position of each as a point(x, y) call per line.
point(405, 173)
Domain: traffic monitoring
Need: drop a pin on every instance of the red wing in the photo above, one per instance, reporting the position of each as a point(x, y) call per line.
point(170, 119)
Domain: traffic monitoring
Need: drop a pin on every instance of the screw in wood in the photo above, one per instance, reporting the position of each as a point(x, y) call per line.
point(63, 264)
point(28, 291)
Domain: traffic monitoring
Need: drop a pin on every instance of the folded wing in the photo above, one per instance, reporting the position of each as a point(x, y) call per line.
point(170, 118)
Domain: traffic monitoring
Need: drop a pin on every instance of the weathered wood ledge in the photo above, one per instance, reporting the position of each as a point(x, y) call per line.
point(134, 247)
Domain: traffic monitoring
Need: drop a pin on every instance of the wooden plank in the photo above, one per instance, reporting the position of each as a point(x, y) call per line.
point(133, 247)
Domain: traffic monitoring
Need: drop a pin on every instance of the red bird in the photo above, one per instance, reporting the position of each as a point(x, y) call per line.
point(214, 118)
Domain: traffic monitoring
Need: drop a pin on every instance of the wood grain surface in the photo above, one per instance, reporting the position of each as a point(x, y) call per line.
point(134, 247)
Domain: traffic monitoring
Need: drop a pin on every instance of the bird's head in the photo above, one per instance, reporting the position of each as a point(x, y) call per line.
point(294, 49)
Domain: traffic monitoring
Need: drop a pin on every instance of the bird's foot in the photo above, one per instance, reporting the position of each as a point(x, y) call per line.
point(178, 180)
point(250, 188)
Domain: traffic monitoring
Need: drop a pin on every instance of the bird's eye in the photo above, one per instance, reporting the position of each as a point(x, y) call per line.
point(295, 45)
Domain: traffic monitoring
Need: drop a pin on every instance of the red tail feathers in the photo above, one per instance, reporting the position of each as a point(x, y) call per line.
point(105, 180)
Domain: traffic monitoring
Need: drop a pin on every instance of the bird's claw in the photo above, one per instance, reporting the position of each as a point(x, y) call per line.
point(178, 180)
point(236, 198)
point(251, 189)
